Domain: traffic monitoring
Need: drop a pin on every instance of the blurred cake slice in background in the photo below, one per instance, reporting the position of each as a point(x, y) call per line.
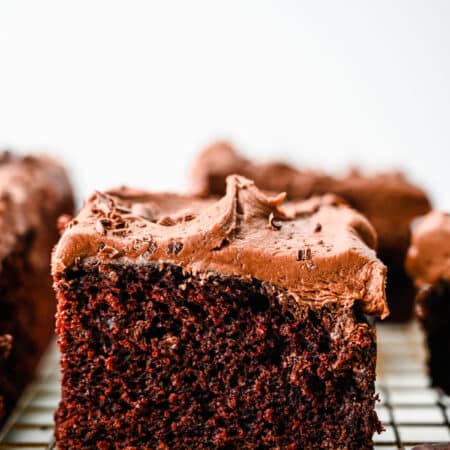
point(387, 199)
point(34, 192)
point(428, 263)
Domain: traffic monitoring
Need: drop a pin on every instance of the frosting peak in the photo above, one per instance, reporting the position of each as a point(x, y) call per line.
point(244, 199)
point(317, 250)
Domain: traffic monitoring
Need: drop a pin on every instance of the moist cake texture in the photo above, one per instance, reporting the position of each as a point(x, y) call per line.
point(428, 263)
point(34, 191)
point(388, 200)
point(236, 323)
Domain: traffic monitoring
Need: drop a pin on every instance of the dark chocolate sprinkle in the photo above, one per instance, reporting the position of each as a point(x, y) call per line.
point(188, 217)
point(175, 247)
point(166, 221)
point(121, 232)
point(304, 254)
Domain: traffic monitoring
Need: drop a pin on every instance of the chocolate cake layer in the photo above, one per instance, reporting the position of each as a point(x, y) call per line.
point(237, 323)
point(388, 200)
point(428, 262)
point(34, 191)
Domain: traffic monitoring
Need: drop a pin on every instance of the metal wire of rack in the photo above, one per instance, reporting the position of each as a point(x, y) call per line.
point(411, 411)
point(31, 426)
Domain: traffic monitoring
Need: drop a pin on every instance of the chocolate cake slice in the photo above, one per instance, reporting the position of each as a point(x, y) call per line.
point(34, 191)
point(236, 323)
point(428, 263)
point(388, 200)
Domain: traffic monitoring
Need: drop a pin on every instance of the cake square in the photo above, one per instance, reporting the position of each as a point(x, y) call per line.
point(230, 323)
point(34, 192)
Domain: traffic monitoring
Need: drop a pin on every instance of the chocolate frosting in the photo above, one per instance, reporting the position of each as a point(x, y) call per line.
point(29, 187)
point(388, 200)
point(428, 258)
point(318, 250)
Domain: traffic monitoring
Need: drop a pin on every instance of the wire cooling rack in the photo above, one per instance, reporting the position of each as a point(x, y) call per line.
point(30, 426)
point(410, 410)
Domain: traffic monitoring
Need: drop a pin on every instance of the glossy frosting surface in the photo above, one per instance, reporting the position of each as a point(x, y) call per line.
point(318, 250)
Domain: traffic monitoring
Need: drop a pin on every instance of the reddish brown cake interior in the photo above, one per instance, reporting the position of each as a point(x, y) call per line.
point(428, 263)
point(237, 323)
point(387, 199)
point(34, 191)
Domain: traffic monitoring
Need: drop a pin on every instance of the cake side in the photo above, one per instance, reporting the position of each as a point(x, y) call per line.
point(428, 262)
point(34, 191)
point(319, 250)
point(156, 357)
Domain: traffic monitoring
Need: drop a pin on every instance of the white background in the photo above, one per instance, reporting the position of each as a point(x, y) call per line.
point(127, 92)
